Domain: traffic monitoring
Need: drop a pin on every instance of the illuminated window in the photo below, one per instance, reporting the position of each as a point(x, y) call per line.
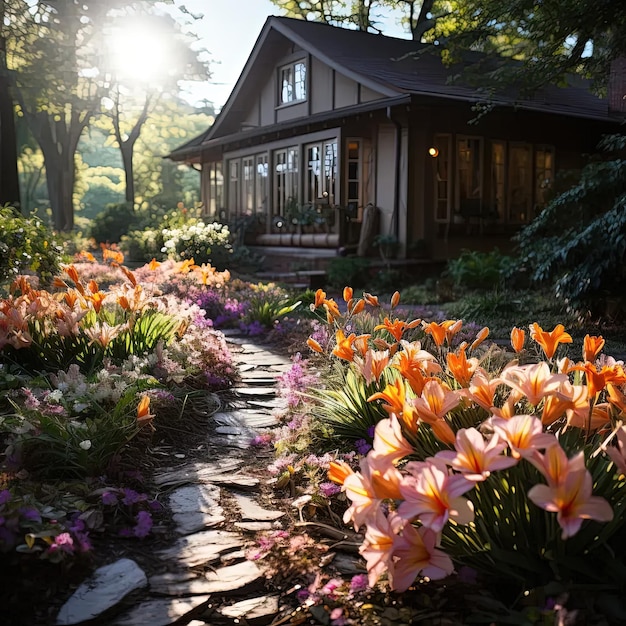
point(292, 83)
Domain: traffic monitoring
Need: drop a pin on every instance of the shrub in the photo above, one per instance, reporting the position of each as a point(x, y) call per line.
point(204, 243)
point(26, 246)
point(480, 270)
point(111, 224)
point(348, 271)
point(578, 242)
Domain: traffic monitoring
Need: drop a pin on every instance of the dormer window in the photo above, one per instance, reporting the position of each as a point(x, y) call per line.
point(292, 82)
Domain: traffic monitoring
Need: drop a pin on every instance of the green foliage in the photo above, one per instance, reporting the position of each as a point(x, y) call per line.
point(26, 246)
point(343, 405)
point(204, 243)
point(266, 306)
point(578, 242)
point(344, 271)
point(480, 270)
point(114, 222)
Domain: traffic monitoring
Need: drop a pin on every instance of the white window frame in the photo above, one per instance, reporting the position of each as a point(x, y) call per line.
point(292, 85)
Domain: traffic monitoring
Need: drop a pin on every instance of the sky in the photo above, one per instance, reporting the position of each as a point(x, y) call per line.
point(228, 31)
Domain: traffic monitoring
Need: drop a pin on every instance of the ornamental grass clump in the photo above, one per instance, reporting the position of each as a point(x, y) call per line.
point(518, 471)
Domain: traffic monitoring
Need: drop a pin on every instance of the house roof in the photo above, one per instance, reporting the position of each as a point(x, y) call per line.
point(390, 66)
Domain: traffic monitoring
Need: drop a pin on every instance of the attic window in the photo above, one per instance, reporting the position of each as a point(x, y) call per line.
point(292, 82)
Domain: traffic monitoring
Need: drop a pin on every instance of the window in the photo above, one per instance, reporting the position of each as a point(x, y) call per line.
point(442, 178)
point(292, 83)
point(498, 179)
point(321, 175)
point(520, 183)
point(215, 199)
point(247, 185)
point(469, 176)
point(544, 175)
point(260, 183)
point(285, 180)
point(233, 187)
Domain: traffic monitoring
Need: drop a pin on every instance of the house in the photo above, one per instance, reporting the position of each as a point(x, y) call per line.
point(332, 135)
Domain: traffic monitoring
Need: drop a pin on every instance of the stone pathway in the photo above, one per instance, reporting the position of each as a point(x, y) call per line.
point(217, 509)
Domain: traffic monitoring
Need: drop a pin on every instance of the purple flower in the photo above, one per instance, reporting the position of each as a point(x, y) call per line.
point(5, 496)
point(329, 489)
point(362, 446)
point(371, 431)
point(30, 513)
point(359, 583)
point(155, 505)
point(132, 497)
point(109, 498)
point(144, 524)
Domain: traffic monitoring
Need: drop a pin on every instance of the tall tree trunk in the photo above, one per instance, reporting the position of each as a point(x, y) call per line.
point(58, 140)
point(9, 179)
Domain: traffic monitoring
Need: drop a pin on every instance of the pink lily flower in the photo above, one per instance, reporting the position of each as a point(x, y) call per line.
point(474, 457)
point(524, 434)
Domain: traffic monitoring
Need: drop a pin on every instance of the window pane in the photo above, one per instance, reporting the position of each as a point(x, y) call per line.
point(247, 196)
point(498, 199)
point(300, 81)
point(469, 176)
point(261, 183)
point(286, 81)
point(520, 177)
point(330, 169)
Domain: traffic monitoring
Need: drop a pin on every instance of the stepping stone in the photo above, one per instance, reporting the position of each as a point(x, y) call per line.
point(252, 347)
point(348, 564)
point(255, 391)
point(196, 507)
point(273, 403)
point(162, 612)
point(160, 582)
point(247, 367)
point(252, 512)
point(230, 333)
point(236, 480)
point(252, 610)
point(261, 358)
point(200, 548)
point(103, 590)
point(231, 441)
point(196, 472)
point(254, 527)
point(222, 580)
point(260, 420)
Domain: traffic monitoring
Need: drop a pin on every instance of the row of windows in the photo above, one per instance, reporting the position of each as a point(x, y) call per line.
point(507, 182)
point(276, 183)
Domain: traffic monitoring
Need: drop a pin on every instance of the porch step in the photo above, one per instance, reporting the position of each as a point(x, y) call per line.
point(302, 279)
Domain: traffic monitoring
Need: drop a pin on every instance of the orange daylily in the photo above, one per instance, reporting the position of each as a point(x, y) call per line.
point(524, 434)
point(592, 347)
point(549, 341)
point(320, 298)
point(460, 367)
point(481, 390)
point(357, 307)
point(616, 398)
point(396, 328)
point(395, 299)
point(517, 339)
point(97, 299)
point(344, 349)
point(480, 337)
point(114, 255)
point(338, 471)
point(83, 254)
point(153, 265)
point(554, 406)
point(443, 331)
point(143, 411)
point(370, 299)
point(393, 394)
point(347, 294)
point(371, 367)
point(314, 345)
point(432, 407)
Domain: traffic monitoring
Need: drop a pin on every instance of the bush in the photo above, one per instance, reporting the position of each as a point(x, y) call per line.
point(204, 243)
point(114, 222)
point(26, 246)
point(348, 271)
point(480, 270)
point(578, 242)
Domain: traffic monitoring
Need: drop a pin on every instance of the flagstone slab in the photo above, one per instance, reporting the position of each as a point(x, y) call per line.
point(108, 586)
point(252, 512)
point(258, 374)
point(159, 582)
point(231, 441)
point(255, 391)
point(196, 507)
point(261, 358)
point(253, 610)
point(162, 611)
point(270, 403)
point(240, 481)
point(202, 547)
point(196, 472)
point(222, 580)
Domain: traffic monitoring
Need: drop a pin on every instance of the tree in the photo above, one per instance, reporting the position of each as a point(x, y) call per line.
point(163, 56)
point(551, 39)
point(9, 181)
point(55, 54)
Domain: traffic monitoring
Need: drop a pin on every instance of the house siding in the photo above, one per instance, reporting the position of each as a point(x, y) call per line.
point(321, 87)
point(346, 91)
